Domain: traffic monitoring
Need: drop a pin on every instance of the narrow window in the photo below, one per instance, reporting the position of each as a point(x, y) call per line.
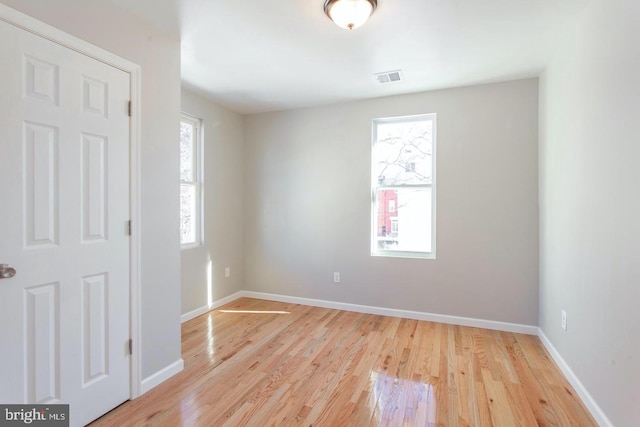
point(190, 182)
point(403, 187)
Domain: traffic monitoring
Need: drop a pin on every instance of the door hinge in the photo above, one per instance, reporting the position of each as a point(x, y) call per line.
point(129, 227)
point(130, 109)
point(130, 346)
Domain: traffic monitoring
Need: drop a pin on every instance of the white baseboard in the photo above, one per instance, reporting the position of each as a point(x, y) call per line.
point(207, 308)
point(584, 395)
point(416, 315)
point(162, 375)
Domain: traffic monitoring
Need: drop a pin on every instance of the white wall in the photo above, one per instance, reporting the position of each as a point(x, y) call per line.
point(223, 207)
point(308, 200)
point(590, 205)
point(103, 25)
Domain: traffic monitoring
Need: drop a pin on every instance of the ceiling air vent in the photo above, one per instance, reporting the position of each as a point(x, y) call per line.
point(389, 76)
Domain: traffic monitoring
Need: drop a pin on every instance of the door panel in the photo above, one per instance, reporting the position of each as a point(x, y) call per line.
point(64, 207)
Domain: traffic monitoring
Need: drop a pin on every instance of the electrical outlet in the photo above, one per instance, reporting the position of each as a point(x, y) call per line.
point(227, 272)
point(336, 277)
point(563, 322)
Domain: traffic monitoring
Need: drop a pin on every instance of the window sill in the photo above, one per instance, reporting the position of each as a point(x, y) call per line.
point(191, 246)
point(401, 254)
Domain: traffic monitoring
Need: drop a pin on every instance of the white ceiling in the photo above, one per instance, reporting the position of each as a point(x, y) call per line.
point(264, 55)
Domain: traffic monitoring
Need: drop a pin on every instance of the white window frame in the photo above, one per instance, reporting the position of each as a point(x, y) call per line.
point(375, 187)
point(197, 178)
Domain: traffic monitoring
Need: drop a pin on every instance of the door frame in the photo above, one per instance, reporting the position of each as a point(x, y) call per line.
point(41, 29)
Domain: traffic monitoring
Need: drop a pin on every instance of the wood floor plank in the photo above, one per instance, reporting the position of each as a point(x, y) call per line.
point(265, 363)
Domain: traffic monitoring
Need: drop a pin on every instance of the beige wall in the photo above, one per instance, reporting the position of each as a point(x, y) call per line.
point(106, 26)
point(223, 199)
point(590, 205)
point(307, 205)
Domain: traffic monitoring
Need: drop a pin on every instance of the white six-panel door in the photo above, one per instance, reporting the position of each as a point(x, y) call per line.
point(64, 209)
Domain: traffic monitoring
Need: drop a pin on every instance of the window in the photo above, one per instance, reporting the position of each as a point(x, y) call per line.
point(190, 182)
point(403, 187)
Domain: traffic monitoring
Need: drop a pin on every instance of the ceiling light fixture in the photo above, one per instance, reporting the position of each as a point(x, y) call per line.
point(349, 14)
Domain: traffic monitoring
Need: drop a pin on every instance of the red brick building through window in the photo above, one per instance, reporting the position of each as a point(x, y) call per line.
point(387, 213)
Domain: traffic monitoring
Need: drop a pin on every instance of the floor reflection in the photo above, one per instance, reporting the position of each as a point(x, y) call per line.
point(189, 410)
point(210, 338)
point(390, 394)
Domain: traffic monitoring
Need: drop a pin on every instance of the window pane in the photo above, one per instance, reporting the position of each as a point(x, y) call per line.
point(408, 227)
point(188, 214)
point(186, 152)
point(403, 153)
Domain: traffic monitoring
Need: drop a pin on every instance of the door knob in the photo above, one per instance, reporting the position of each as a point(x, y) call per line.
point(7, 272)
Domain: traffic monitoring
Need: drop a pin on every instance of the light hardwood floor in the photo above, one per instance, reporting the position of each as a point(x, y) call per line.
point(263, 363)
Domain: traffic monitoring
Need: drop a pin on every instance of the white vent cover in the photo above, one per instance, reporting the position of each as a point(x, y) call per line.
point(389, 76)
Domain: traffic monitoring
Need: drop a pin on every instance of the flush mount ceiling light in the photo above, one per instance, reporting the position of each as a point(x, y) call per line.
point(349, 14)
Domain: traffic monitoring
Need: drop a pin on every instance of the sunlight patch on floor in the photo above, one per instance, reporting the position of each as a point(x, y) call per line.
point(256, 311)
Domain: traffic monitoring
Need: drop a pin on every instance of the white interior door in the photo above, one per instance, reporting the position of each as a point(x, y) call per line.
point(64, 209)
